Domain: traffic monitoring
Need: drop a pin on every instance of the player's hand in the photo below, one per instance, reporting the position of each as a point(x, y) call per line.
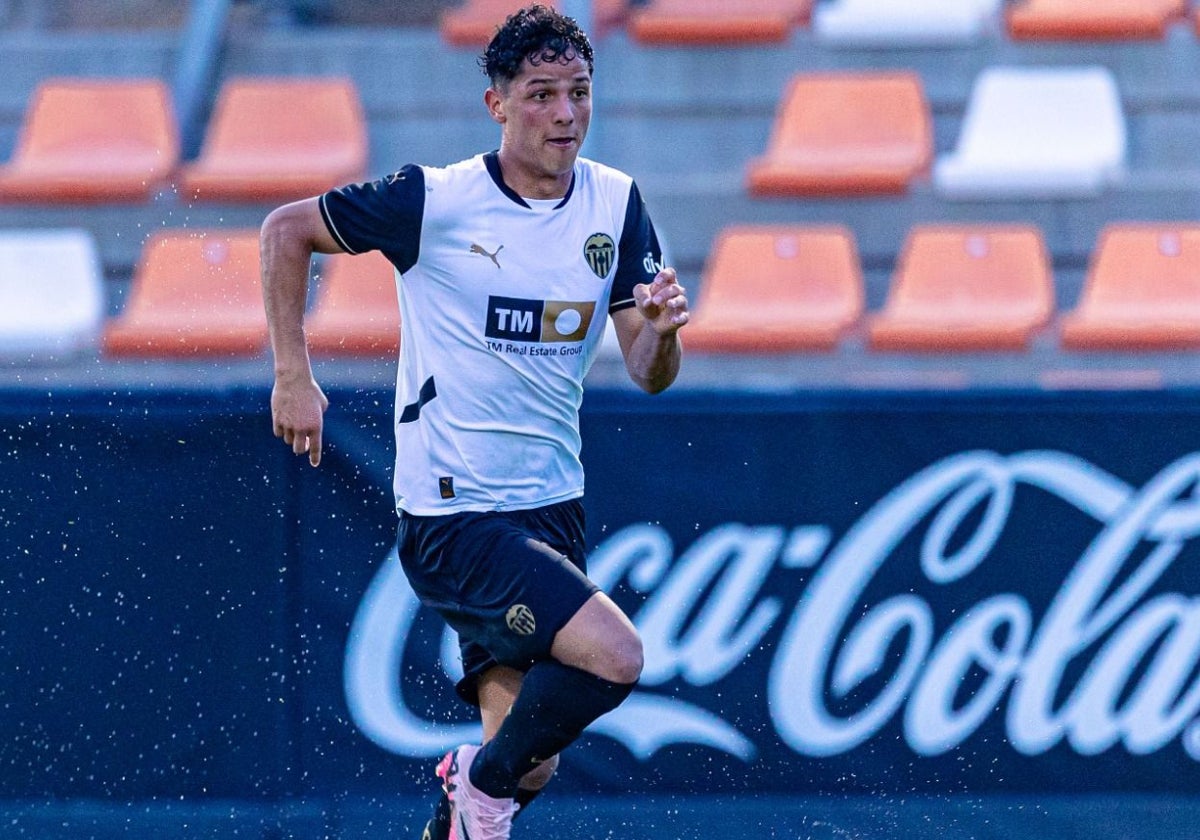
point(662, 302)
point(297, 413)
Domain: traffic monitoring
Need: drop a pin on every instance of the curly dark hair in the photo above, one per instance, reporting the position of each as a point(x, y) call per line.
point(536, 33)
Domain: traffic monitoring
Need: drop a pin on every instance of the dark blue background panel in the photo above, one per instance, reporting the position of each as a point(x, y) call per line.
point(144, 579)
point(886, 595)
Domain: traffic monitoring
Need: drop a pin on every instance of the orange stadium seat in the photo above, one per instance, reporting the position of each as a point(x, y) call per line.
point(279, 138)
point(846, 133)
point(777, 289)
point(93, 140)
point(687, 22)
point(193, 293)
point(1142, 291)
point(966, 287)
point(356, 311)
point(1093, 19)
point(473, 23)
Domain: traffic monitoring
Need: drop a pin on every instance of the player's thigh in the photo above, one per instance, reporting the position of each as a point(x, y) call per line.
point(600, 639)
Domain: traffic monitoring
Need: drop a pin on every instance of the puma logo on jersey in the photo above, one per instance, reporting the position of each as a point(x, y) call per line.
point(479, 249)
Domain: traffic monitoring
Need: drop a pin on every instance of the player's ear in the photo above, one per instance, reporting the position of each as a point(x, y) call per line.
point(495, 104)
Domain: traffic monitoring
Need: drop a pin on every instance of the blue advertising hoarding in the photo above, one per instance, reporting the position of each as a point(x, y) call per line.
point(841, 593)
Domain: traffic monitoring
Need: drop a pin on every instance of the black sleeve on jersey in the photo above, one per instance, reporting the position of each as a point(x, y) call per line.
point(639, 256)
point(383, 215)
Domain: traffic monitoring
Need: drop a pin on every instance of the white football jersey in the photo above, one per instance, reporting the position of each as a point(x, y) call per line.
point(503, 303)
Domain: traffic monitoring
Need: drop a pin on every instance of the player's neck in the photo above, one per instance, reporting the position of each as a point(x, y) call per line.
point(528, 183)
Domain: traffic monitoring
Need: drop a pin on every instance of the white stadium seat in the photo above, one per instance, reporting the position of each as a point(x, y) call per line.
point(887, 23)
point(51, 294)
point(1037, 133)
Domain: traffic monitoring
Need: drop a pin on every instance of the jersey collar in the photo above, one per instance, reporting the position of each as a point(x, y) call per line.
point(492, 161)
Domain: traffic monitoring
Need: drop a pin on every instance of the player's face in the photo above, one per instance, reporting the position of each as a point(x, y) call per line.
point(544, 113)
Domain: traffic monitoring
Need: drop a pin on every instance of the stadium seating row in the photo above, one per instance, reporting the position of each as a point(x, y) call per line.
point(92, 140)
point(850, 132)
point(1028, 132)
point(851, 22)
point(765, 289)
point(771, 289)
point(194, 293)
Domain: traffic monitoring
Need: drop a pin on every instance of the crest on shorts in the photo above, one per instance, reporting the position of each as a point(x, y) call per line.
point(599, 251)
point(520, 620)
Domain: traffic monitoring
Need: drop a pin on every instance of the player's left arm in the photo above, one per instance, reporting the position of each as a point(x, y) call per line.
point(648, 332)
point(648, 329)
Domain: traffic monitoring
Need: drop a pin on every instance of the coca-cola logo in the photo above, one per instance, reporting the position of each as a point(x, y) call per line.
point(1108, 662)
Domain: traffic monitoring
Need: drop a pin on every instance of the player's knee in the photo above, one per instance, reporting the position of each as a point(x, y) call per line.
point(539, 777)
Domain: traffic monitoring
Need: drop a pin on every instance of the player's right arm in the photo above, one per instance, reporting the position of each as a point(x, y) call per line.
point(382, 215)
point(289, 237)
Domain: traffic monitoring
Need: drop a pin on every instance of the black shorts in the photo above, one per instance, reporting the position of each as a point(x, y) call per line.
point(506, 581)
